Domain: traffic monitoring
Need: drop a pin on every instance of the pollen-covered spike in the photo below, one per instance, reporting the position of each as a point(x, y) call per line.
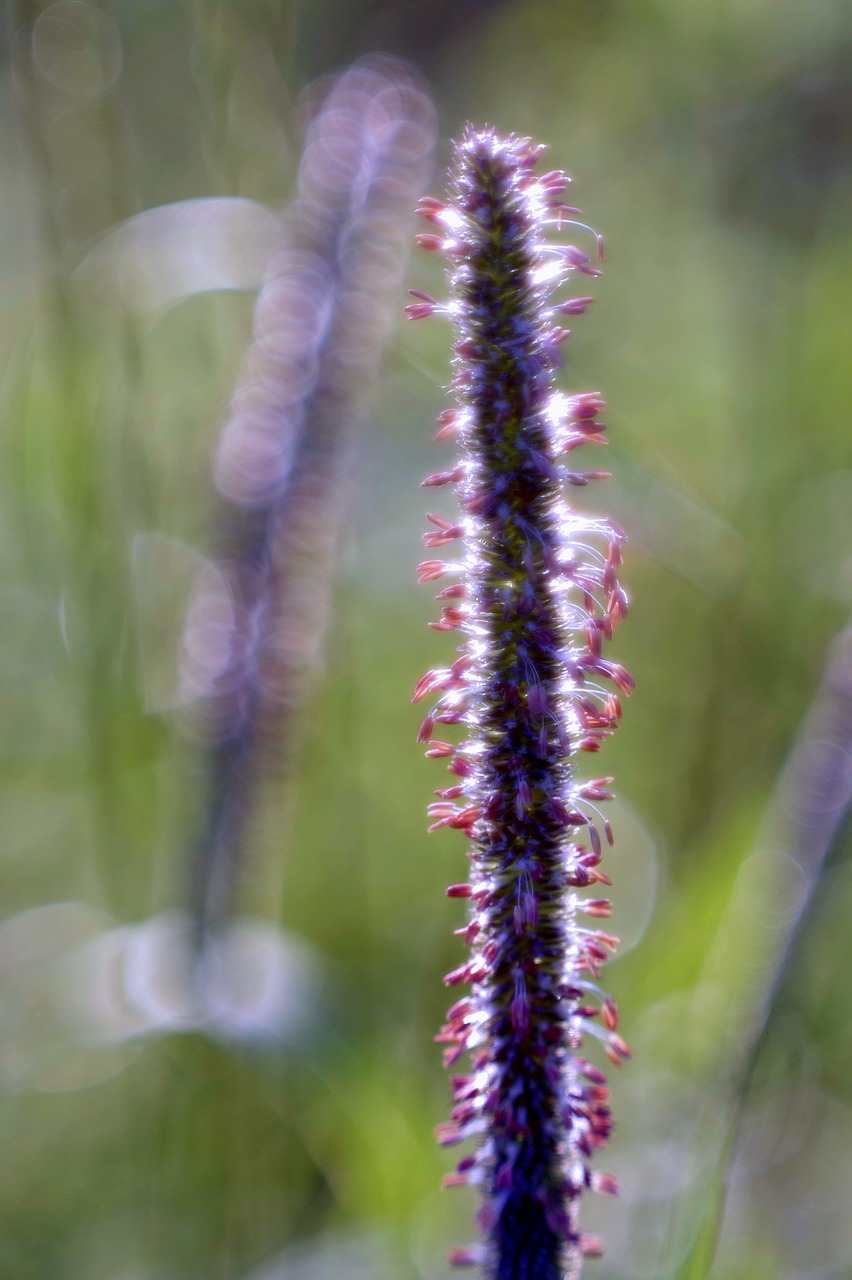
point(537, 601)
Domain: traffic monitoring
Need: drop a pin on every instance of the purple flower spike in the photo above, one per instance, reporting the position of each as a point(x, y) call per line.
point(253, 641)
point(539, 596)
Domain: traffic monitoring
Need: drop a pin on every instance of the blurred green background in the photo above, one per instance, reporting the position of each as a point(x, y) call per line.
point(712, 144)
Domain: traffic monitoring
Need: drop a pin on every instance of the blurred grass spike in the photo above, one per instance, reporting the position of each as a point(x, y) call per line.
point(540, 595)
point(285, 452)
point(811, 819)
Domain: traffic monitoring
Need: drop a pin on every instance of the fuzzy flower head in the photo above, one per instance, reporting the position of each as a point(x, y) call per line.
point(535, 594)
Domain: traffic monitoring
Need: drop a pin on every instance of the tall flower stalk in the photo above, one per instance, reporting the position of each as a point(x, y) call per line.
point(536, 597)
point(286, 448)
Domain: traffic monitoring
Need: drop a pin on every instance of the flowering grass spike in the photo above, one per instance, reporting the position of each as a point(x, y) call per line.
point(254, 639)
point(536, 597)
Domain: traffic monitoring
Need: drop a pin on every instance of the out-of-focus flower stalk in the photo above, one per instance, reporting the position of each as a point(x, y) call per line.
point(284, 457)
point(809, 824)
point(536, 595)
